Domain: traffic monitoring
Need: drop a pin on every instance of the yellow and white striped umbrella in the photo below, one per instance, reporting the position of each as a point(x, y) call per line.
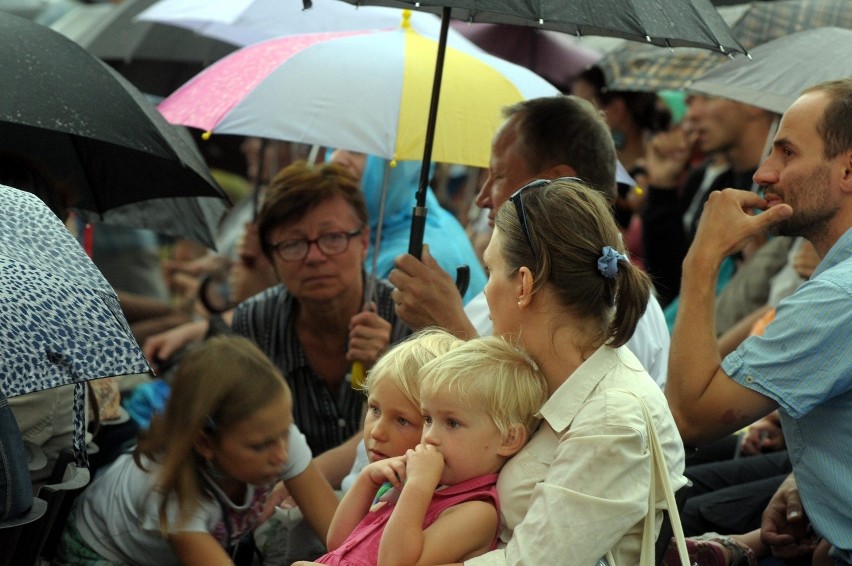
point(366, 91)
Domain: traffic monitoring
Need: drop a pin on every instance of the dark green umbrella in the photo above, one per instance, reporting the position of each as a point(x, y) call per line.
point(66, 110)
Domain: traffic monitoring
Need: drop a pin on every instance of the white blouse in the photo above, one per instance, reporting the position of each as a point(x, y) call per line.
point(580, 487)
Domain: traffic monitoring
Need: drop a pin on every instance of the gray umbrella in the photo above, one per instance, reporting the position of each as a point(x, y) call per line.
point(636, 67)
point(156, 58)
point(60, 321)
point(781, 69)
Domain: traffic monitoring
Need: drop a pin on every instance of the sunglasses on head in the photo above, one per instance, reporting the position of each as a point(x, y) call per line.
point(517, 200)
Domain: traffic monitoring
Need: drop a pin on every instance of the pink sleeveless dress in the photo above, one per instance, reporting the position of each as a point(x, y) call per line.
point(361, 548)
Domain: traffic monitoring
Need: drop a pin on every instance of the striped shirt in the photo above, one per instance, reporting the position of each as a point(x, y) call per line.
point(326, 418)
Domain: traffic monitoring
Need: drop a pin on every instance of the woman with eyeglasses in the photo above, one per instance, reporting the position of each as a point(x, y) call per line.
point(313, 229)
point(560, 283)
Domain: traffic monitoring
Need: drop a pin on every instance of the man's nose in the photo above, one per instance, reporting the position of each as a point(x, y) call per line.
point(483, 197)
point(766, 174)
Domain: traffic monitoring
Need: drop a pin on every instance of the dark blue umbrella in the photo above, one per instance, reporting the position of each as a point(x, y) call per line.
point(60, 321)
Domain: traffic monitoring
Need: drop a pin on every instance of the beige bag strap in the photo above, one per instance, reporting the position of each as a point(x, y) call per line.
point(658, 470)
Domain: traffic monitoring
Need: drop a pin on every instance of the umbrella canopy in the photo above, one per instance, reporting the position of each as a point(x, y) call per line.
point(557, 57)
point(672, 23)
point(636, 67)
point(60, 321)
point(364, 91)
point(243, 22)
point(156, 58)
point(782, 69)
point(66, 110)
point(694, 23)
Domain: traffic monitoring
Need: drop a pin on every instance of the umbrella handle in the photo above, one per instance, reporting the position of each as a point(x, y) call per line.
point(418, 227)
point(358, 375)
point(418, 217)
point(462, 278)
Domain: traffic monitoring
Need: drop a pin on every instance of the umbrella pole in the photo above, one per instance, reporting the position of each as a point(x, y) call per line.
point(418, 217)
point(259, 178)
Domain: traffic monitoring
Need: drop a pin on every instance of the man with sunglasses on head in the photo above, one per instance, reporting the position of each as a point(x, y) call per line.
point(542, 138)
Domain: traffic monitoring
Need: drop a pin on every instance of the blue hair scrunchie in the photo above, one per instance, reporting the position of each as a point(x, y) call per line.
point(608, 262)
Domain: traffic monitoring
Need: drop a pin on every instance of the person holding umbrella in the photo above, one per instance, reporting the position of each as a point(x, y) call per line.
point(390, 212)
point(544, 138)
point(798, 365)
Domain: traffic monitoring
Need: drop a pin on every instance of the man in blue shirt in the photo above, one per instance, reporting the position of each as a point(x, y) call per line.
point(802, 365)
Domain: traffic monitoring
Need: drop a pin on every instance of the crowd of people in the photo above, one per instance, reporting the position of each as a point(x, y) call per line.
point(614, 346)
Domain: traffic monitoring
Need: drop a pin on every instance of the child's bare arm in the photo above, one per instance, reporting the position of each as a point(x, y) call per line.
point(461, 531)
point(198, 549)
point(315, 498)
point(356, 503)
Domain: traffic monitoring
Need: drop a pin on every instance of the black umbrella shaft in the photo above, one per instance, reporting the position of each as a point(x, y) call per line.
point(418, 219)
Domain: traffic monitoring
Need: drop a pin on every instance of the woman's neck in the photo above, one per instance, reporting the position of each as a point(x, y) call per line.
point(559, 343)
point(331, 317)
point(323, 332)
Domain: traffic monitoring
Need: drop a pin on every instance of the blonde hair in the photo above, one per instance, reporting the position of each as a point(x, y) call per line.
point(219, 383)
point(492, 374)
point(402, 362)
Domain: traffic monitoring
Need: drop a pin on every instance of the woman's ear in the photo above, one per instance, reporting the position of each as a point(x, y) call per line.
point(513, 441)
point(525, 286)
point(365, 242)
point(204, 446)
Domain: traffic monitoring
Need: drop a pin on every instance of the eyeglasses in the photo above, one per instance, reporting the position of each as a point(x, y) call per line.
point(334, 243)
point(519, 204)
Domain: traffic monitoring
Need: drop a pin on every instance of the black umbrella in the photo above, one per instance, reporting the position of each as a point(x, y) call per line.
point(668, 23)
point(68, 111)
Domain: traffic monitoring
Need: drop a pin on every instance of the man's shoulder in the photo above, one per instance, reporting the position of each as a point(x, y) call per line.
point(479, 315)
point(653, 320)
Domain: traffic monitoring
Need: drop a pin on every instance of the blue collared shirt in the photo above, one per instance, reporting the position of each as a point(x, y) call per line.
point(804, 362)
